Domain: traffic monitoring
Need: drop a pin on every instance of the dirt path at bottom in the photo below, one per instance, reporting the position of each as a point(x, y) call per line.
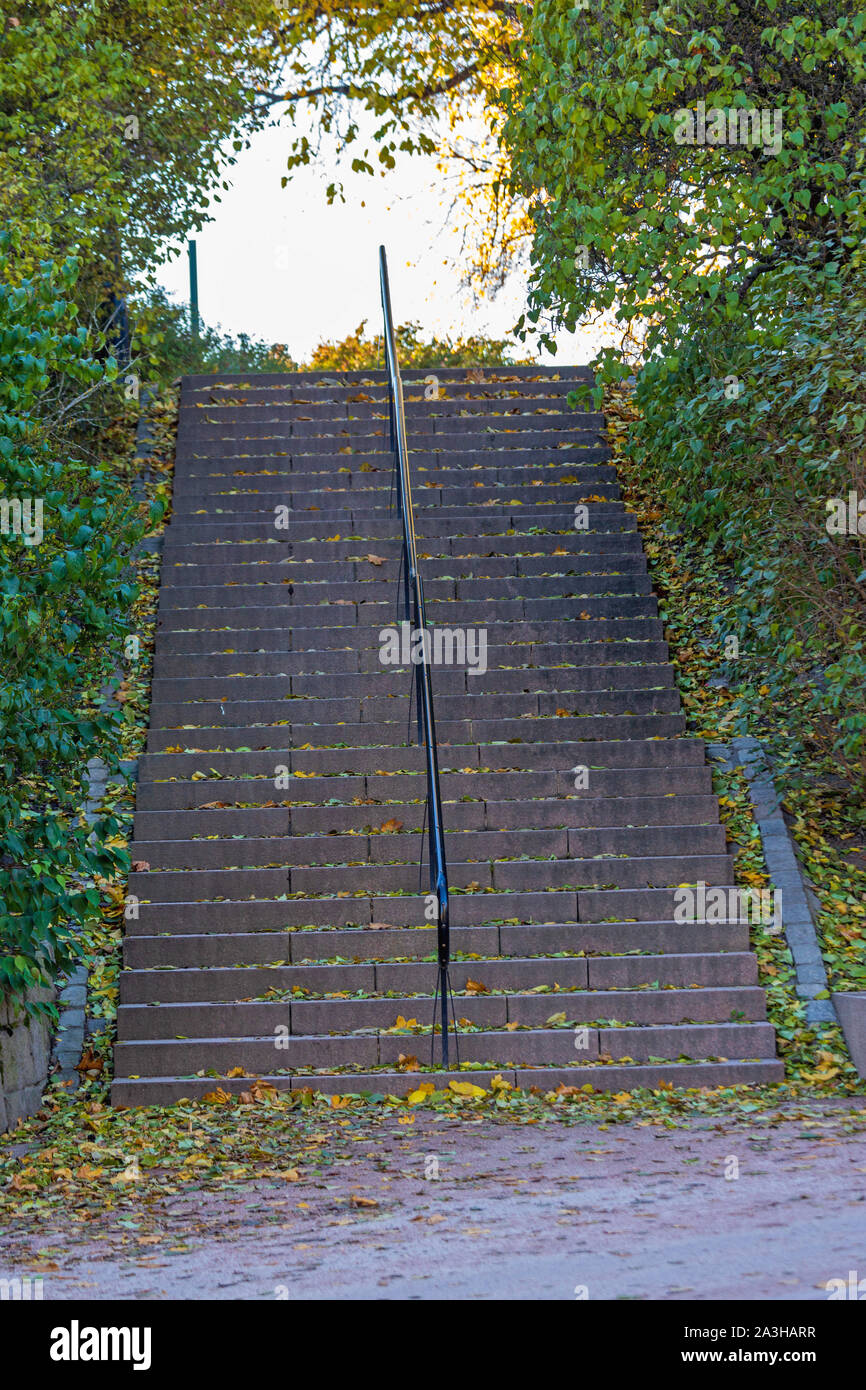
point(530, 1212)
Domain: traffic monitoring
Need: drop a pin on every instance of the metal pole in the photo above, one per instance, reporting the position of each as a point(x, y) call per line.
point(193, 289)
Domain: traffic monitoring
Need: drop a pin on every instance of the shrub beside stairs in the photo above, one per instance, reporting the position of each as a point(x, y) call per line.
point(281, 931)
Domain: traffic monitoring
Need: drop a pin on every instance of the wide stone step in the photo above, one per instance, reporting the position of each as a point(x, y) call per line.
point(335, 545)
point(373, 416)
point(405, 910)
point(330, 401)
point(407, 848)
point(293, 422)
point(364, 508)
point(227, 983)
point(136, 1022)
point(497, 757)
point(417, 412)
point(436, 521)
point(394, 734)
point(375, 709)
point(243, 713)
point(319, 660)
point(140, 1091)
point(289, 510)
point(523, 1047)
point(494, 435)
point(444, 613)
point(517, 442)
point(297, 591)
point(228, 382)
point(390, 789)
point(282, 464)
point(595, 813)
point(364, 638)
point(518, 875)
point(357, 944)
point(374, 603)
point(450, 680)
point(453, 569)
point(307, 385)
point(457, 504)
point(376, 478)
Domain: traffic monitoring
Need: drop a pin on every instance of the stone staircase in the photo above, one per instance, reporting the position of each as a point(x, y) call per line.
point(281, 930)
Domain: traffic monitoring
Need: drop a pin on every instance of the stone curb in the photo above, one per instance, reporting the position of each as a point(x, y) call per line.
point(784, 869)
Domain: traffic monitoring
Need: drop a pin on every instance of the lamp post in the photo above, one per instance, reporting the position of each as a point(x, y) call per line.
point(193, 290)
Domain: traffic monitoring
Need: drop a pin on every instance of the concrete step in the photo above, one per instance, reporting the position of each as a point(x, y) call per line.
point(337, 404)
point(454, 500)
point(296, 593)
point(390, 789)
point(442, 613)
point(404, 910)
point(527, 1047)
point(407, 848)
point(475, 569)
point(224, 984)
point(253, 823)
point(138, 1091)
point(140, 1022)
point(333, 545)
point(358, 943)
point(394, 681)
point(374, 709)
point(519, 875)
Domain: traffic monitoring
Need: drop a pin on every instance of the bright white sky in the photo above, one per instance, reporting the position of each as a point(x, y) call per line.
point(281, 265)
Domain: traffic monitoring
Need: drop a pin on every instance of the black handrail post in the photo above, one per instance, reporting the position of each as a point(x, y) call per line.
point(423, 683)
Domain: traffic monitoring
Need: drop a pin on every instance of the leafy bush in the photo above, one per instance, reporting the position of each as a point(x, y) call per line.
point(164, 348)
point(736, 265)
point(746, 442)
point(65, 596)
point(358, 351)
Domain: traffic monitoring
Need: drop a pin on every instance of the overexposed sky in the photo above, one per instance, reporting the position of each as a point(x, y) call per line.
point(281, 265)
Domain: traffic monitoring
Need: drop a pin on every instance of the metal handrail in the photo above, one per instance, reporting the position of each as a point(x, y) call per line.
point(413, 598)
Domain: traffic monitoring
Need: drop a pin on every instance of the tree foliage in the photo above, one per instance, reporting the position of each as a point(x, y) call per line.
point(116, 122)
point(118, 119)
point(739, 263)
point(358, 351)
point(66, 591)
point(673, 228)
point(385, 78)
